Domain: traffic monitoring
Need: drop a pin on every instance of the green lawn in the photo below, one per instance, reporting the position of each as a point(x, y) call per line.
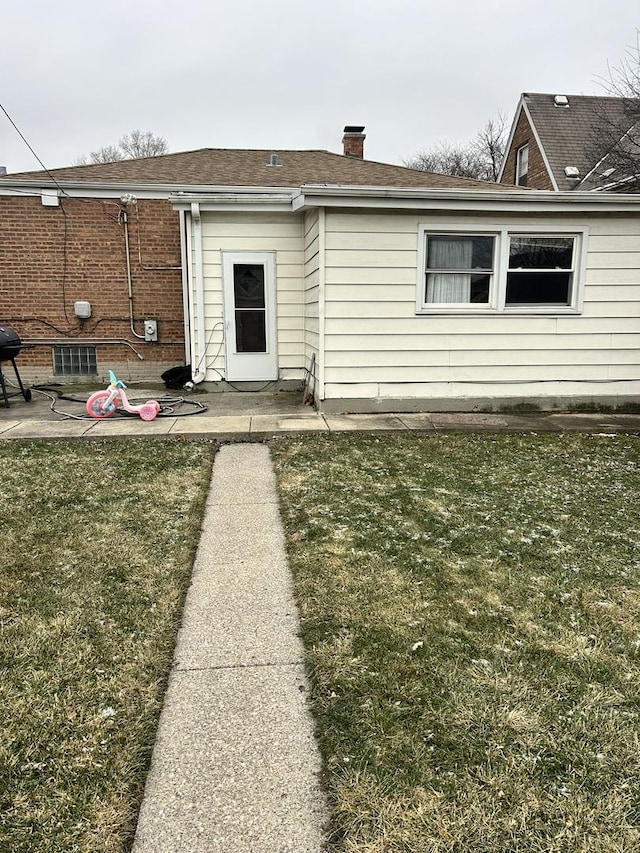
point(471, 615)
point(97, 544)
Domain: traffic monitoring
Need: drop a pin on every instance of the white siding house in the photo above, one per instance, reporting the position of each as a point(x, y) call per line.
point(399, 299)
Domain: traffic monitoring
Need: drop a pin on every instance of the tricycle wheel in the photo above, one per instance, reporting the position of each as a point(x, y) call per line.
point(97, 405)
point(148, 411)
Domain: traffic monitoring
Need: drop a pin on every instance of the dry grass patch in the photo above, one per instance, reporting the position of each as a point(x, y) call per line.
point(472, 626)
point(97, 541)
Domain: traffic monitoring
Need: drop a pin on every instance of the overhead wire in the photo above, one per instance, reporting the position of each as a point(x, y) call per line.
point(24, 139)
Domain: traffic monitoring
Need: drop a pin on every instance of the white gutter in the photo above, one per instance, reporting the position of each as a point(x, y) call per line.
point(221, 199)
point(107, 189)
point(507, 200)
point(199, 367)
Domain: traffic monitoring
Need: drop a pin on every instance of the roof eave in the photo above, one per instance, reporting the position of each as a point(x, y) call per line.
point(106, 189)
point(460, 199)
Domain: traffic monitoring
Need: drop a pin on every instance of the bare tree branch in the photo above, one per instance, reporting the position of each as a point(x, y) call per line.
point(131, 146)
point(141, 143)
point(614, 146)
point(479, 158)
point(106, 154)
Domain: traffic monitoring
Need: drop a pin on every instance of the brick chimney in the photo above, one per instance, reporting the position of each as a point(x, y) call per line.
point(353, 141)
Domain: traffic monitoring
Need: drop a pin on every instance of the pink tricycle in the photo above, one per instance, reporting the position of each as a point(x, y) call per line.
point(103, 404)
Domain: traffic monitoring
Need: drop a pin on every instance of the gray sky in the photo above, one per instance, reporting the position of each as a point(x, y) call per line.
point(77, 74)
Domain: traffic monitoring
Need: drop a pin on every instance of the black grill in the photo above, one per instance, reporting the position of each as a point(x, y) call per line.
point(10, 346)
point(10, 343)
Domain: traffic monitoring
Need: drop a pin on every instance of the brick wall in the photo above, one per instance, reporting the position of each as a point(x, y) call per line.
point(538, 177)
point(50, 257)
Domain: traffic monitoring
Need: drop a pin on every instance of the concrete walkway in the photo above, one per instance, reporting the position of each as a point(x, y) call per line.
point(235, 767)
point(20, 423)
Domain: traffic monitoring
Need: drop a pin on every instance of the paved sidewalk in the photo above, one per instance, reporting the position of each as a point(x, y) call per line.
point(235, 767)
point(257, 427)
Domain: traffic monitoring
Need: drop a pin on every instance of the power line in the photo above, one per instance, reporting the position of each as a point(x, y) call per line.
point(22, 136)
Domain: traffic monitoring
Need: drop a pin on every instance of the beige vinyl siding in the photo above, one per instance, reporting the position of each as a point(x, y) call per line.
point(377, 346)
point(281, 233)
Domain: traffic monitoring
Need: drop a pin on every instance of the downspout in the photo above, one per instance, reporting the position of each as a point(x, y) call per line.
point(199, 369)
point(185, 285)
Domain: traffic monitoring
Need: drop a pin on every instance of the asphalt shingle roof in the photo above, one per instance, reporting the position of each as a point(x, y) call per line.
point(250, 168)
point(575, 135)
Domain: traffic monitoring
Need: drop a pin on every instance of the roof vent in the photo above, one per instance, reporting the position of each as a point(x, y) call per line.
point(3, 170)
point(608, 172)
point(561, 100)
point(273, 160)
point(572, 172)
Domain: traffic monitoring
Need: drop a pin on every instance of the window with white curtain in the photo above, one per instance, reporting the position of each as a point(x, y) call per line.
point(506, 269)
point(459, 268)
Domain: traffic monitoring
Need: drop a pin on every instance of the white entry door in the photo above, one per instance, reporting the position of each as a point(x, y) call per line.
point(250, 316)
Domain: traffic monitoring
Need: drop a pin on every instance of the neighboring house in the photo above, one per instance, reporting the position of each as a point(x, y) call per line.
point(397, 290)
point(564, 143)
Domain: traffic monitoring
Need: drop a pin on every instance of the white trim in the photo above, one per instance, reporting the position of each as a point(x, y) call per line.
point(501, 201)
point(322, 222)
point(100, 189)
point(198, 367)
point(512, 132)
point(496, 305)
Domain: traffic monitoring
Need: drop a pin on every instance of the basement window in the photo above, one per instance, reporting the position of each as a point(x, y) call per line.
point(74, 361)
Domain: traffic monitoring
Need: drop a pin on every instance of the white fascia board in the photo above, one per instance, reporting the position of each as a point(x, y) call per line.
point(394, 198)
point(224, 200)
point(83, 190)
point(507, 147)
point(79, 189)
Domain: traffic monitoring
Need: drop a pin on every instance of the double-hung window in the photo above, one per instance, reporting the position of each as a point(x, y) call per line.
point(506, 269)
point(459, 268)
point(541, 270)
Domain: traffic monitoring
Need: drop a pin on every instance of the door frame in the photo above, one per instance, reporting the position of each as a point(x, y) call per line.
point(250, 366)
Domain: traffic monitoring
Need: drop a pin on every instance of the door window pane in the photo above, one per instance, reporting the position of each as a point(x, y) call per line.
point(251, 332)
point(248, 285)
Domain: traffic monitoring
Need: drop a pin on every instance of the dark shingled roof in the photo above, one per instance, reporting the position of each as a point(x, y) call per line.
point(234, 167)
point(574, 135)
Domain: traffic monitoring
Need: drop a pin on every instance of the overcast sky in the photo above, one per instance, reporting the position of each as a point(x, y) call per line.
point(77, 75)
